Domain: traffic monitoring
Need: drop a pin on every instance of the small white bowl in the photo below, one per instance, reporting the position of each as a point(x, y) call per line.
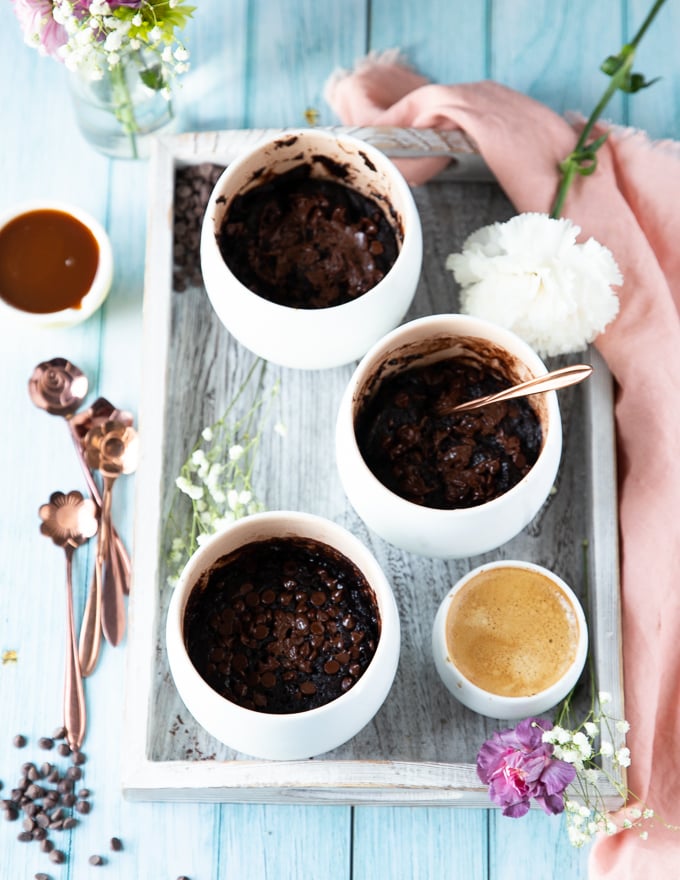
point(497, 705)
point(101, 283)
point(299, 735)
point(427, 531)
point(323, 337)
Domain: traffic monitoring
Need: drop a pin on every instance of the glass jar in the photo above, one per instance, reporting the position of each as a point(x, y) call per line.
point(120, 111)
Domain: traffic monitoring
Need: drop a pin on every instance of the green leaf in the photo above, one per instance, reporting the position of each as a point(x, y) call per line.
point(153, 78)
point(636, 81)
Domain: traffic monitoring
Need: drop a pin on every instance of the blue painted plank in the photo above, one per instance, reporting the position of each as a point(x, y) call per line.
point(445, 40)
point(656, 109)
point(537, 843)
point(553, 51)
point(295, 46)
point(402, 843)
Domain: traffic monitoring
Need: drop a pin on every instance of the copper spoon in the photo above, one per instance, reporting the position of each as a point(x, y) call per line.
point(100, 412)
point(548, 382)
point(112, 448)
point(59, 387)
point(69, 520)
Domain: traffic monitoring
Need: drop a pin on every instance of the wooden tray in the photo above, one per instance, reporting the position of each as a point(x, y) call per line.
point(421, 747)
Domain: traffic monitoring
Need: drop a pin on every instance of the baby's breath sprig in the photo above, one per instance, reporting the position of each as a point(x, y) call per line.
point(216, 477)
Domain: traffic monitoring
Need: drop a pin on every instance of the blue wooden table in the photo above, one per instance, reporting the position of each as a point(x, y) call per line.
point(254, 64)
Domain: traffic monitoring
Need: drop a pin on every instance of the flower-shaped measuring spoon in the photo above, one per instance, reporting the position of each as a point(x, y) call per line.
point(100, 412)
point(69, 520)
point(59, 387)
point(112, 448)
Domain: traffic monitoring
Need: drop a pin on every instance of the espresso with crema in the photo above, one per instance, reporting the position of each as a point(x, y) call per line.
point(512, 631)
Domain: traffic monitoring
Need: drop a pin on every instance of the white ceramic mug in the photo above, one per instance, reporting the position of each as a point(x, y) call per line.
point(101, 282)
point(322, 337)
point(461, 532)
point(515, 634)
point(297, 735)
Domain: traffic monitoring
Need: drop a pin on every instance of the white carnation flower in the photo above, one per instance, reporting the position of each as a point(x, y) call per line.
point(531, 276)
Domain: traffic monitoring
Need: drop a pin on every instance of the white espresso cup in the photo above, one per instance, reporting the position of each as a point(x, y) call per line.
point(510, 639)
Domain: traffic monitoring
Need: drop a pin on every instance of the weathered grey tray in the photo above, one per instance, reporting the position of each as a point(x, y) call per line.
point(421, 747)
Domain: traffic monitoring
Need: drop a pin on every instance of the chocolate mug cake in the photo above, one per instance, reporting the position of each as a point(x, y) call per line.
point(421, 450)
point(282, 625)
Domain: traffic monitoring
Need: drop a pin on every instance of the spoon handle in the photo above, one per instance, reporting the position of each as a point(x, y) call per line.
point(91, 626)
point(113, 605)
point(550, 382)
point(74, 695)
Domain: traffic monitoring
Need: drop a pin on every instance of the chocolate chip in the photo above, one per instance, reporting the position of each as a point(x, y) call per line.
point(46, 742)
point(64, 749)
point(59, 733)
point(74, 773)
point(57, 856)
point(19, 741)
point(116, 844)
point(25, 836)
point(78, 758)
point(330, 667)
point(96, 860)
point(46, 845)
point(308, 688)
point(41, 876)
point(83, 807)
point(11, 814)
point(69, 822)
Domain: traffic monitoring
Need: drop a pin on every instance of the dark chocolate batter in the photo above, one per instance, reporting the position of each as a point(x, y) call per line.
point(305, 242)
point(422, 452)
point(282, 625)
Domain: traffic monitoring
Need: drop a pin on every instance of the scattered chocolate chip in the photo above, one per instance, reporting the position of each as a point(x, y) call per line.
point(25, 836)
point(11, 814)
point(57, 856)
point(116, 844)
point(69, 822)
point(96, 860)
point(46, 845)
point(46, 742)
point(78, 758)
point(59, 733)
point(19, 741)
point(83, 807)
point(41, 876)
point(64, 749)
point(193, 185)
point(74, 773)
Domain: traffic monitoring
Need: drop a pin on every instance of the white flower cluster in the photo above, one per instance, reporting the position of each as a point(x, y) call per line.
point(531, 276)
point(216, 478)
point(600, 736)
point(101, 39)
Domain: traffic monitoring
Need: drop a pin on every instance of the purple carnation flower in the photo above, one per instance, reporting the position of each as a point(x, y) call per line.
point(517, 765)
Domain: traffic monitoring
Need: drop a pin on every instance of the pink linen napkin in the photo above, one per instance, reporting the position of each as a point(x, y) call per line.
point(631, 204)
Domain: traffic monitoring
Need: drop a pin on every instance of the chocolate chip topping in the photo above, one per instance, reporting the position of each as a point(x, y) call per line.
point(308, 638)
point(421, 451)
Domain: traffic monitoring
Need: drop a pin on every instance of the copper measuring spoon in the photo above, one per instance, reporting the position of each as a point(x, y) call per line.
point(59, 387)
point(112, 448)
point(69, 520)
point(549, 382)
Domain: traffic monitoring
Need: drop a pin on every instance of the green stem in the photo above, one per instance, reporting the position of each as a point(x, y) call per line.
point(123, 106)
point(615, 83)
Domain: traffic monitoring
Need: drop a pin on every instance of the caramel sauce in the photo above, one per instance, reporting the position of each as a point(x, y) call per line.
point(48, 261)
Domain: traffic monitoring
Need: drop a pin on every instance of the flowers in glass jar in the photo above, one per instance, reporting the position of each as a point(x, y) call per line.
point(126, 55)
